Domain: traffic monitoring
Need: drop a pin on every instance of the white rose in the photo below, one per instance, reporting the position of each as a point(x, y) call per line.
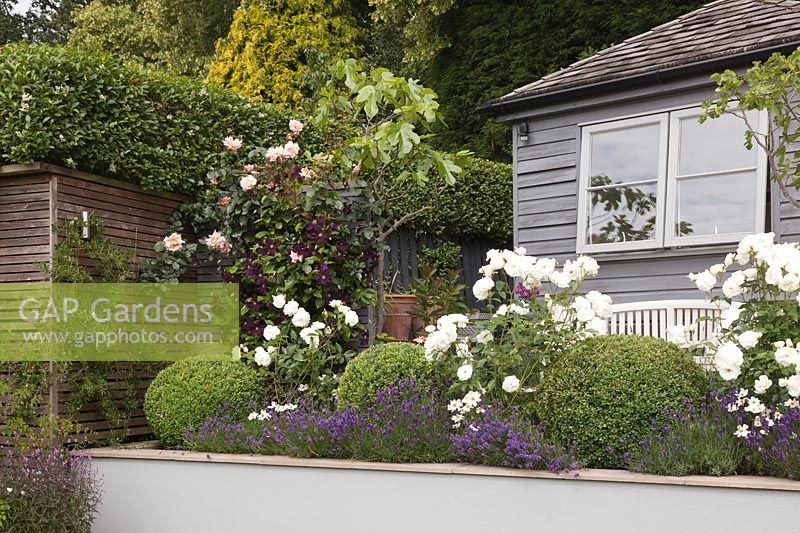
point(601, 303)
point(464, 372)
point(733, 285)
point(511, 384)
point(789, 283)
point(263, 357)
point(482, 288)
point(484, 337)
point(787, 356)
point(351, 318)
point(729, 316)
point(290, 308)
point(705, 280)
point(573, 270)
point(762, 384)
point(679, 334)
point(597, 325)
point(588, 265)
point(279, 300)
point(792, 385)
point(271, 332)
point(773, 275)
point(728, 360)
point(301, 318)
point(495, 259)
point(749, 339)
point(560, 279)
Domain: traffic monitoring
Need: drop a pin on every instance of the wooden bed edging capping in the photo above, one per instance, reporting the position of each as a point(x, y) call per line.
point(145, 451)
point(36, 196)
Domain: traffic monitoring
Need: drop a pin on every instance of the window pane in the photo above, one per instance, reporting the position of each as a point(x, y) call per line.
point(625, 155)
point(716, 204)
point(622, 214)
point(715, 145)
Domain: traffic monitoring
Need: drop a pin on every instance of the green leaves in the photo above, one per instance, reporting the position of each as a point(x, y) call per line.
point(91, 112)
point(769, 86)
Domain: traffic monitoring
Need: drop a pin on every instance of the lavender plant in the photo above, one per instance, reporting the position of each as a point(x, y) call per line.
point(498, 437)
point(692, 440)
point(406, 423)
point(49, 490)
point(773, 447)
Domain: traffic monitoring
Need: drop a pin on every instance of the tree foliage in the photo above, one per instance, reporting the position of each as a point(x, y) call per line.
point(769, 86)
point(270, 44)
point(175, 35)
point(499, 45)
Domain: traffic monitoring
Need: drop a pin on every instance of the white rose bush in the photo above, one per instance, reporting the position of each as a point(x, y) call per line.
point(300, 355)
point(756, 344)
point(533, 319)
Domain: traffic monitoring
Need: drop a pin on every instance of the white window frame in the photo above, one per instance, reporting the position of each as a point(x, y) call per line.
point(662, 119)
point(666, 200)
point(760, 169)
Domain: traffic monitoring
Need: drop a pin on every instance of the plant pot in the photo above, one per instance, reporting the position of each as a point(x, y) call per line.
point(397, 319)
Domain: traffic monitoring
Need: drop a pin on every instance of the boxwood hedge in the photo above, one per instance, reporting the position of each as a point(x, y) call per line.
point(89, 111)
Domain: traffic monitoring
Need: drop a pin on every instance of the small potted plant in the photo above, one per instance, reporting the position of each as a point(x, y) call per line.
point(436, 295)
point(398, 304)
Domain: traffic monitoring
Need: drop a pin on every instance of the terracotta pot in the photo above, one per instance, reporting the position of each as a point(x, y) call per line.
point(397, 320)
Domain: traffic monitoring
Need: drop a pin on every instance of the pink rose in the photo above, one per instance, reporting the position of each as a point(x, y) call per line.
point(173, 242)
point(225, 200)
point(275, 153)
point(307, 172)
point(249, 168)
point(232, 144)
point(214, 181)
point(217, 241)
point(247, 182)
point(295, 126)
point(290, 150)
point(294, 257)
point(356, 169)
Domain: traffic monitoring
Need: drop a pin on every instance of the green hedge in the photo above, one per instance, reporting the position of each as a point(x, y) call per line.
point(479, 206)
point(88, 111)
point(605, 392)
point(187, 392)
point(380, 366)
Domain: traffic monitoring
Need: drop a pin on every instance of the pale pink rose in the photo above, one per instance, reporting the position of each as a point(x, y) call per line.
point(232, 144)
point(295, 126)
point(307, 172)
point(247, 182)
point(294, 257)
point(290, 150)
point(249, 168)
point(217, 241)
point(173, 242)
point(356, 169)
point(214, 181)
point(275, 153)
point(225, 200)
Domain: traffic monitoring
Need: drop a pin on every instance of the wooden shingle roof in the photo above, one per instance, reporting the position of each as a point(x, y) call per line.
point(715, 31)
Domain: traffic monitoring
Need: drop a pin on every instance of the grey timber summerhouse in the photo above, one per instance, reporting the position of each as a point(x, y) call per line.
point(610, 160)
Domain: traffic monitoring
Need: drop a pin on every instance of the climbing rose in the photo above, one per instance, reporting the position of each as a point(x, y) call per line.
point(173, 242)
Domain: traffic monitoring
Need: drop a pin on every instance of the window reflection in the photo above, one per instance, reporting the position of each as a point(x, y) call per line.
point(622, 214)
point(714, 205)
point(625, 155)
point(714, 146)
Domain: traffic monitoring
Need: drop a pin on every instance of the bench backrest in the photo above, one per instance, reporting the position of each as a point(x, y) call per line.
point(653, 318)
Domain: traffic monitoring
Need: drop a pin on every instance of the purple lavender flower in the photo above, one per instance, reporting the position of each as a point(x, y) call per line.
point(505, 438)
